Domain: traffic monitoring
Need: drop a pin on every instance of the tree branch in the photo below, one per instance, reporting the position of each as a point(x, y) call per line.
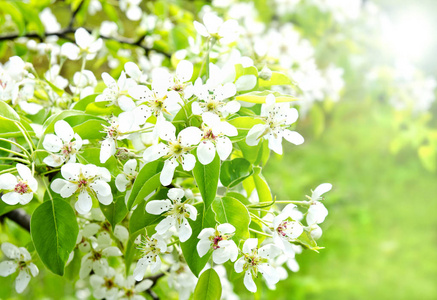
point(64, 32)
point(20, 217)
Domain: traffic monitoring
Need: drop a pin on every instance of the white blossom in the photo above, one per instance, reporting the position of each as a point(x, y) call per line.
point(63, 145)
point(131, 8)
point(105, 287)
point(176, 151)
point(218, 239)
point(18, 189)
point(19, 259)
point(256, 260)
point(87, 181)
point(317, 212)
point(130, 289)
point(175, 212)
point(214, 27)
point(278, 118)
point(116, 91)
point(287, 228)
point(87, 45)
point(125, 180)
point(151, 248)
point(96, 260)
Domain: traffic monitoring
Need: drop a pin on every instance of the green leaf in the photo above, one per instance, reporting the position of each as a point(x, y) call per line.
point(146, 182)
point(8, 112)
point(262, 187)
point(277, 78)
point(116, 211)
point(208, 287)
point(54, 230)
point(234, 171)
point(189, 248)
point(10, 8)
point(232, 211)
point(243, 125)
point(260, 97)
point(91, 129)
point(306, 240)
point(31, 16)
point(207, 177)
point(102, 108)
point(56, 89)
point(5, 208)
point(83, 103)
point(92, 156)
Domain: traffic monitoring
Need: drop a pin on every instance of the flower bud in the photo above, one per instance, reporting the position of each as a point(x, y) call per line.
point(265, 73)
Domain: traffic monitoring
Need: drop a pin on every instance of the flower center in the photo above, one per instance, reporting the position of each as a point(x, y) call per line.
point(282, 228)
point(68, 149)
point(22, 187)
point(208, 135)
point(216, 240)
point(109, 284)
point(82, 183)
point(176, 148)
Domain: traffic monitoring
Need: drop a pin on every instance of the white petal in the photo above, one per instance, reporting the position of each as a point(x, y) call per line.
point(100, 267)
point(7, 181)
point(184, 230)
point(144, 285)
point(269, 273)
point(64, 131)
point(54, 160)
point(84, 201)
point(25, 198)
point(269, 251)
point(168, 171)
point(85, 267)
point(246, 82)
point(275, 144)
point(226, 228)
point(140, 269)
point(71, 171)
point(11, 251)
point(58, 184)
point(24, 171)
point(249, 245)
point(22, 281)
point(211, 119)
point(121, 182)
point(8, 267)
point(203, 247)
point(188, 162)
point(101, 188)
point(112, 251)
point(157, 207)
point(206, 233)
point(70, 50)
point(11, 198)
point(252, 138)
point(107, 150)
point(126, 103)
point(130, 166)
point(176, 194)
point(83, 38)
point(206, 152)
point(184, 70)
point(155, 152)
point(106, 200)
point(224, 147)
point(68, 189)
point(248, 282)
point(121, 233)
point(293, 137)
point(320, 190)
point(190, 136)
point(192, 211)
point(232, 107)
point(165, 225)
point(201, 29)
point(239, 264)
point(52, 143)
point(33, 269)
point(316, 213)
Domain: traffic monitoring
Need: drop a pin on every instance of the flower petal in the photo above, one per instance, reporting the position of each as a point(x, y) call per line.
point(52, 143)
point(206, 152)
point(157, 207)
point(64, 131)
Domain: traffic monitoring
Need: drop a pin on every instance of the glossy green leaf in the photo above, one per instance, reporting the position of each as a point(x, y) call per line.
point(116, 211)
point(277, 78)
point(234, 171)
point(232, 211)
point(208, 287)
point(54, 230)
point(207, 177)
point(262, 187)
point(8, 112)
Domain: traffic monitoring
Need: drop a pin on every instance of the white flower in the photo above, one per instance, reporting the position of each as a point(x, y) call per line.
point(116, 91)
point(83, 83)
point(150, 248)
point(213, 99)
point(88, 46)
point(286, 228)
point(49, 21)
point(182, 280)
point(105, 287)
point(317, 212)
point(130, 289)
point(131, 8)
point(218, 239)
point(123, 181)
point(214, 138)
point(109, 29)
point(176, 151)
point(61, 145)
point(181, 84)
point(86, 181)
point(159, 99)
point(19, 189)
point(117, 130)
point(20, 260)
point(278, 118)
point(214, 27)
point(176, 213)
point(135, 73)
point(96, 261)
point(256, 260)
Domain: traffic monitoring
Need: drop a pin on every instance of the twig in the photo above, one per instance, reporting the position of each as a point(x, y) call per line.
point(20, 217)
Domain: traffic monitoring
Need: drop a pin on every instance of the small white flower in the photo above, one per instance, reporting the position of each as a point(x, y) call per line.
point(88, 46)
point(278, 117)
point(125, 180)
point(61, 145)
point(218, 240)
point(135, 73)
point(105, 287)
point(83, 83)
point(19, 189)
point(256, 260)
point(150, 248)
point(86, 181)
point(116, 91)
point(20, 260)
point(317, 212)
point(181, 84)
point(215, 137)
point(214, 27)
point(130, 289)
point(182, 280)
point(176, 213)
point(131, 8)
point(96, 261)
point(286, 228)
point(176, 151)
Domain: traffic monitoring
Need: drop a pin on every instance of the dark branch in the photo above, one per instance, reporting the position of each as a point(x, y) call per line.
point(74, 13)
point(64, 34)
point(20, 217)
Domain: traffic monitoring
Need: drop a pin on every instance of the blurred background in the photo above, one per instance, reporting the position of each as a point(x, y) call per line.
point(376, 144)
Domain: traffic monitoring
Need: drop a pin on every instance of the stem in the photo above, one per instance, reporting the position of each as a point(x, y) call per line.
point(47, 188)
point(7, 170)
point(258, 218)
point(259, 232)
point(16, 159)
point(24, 132)
point(13, 152)
point(16, 144)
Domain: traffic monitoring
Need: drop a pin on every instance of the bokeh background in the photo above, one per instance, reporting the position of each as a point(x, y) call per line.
point(380, 236)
